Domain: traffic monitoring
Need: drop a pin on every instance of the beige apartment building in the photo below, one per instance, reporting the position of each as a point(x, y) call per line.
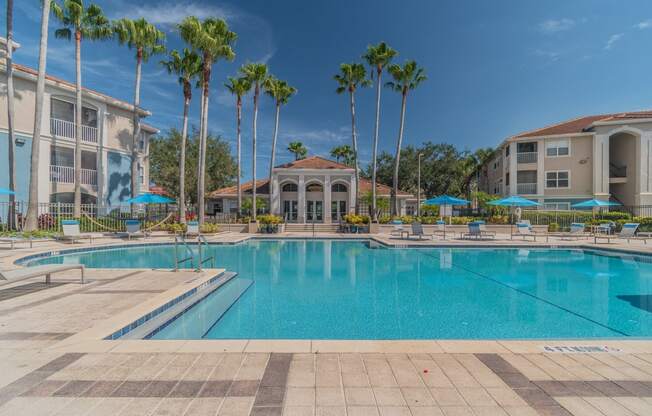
point(607, 156)
point(107, 137)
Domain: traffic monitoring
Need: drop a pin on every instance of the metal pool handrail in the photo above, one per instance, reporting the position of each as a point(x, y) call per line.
point(180, 239)
point(201, 240)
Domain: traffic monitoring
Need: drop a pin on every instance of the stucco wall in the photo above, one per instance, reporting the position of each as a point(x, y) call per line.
point(579, 163)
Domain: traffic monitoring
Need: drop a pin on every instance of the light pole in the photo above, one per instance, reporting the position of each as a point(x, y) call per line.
point(419, 184)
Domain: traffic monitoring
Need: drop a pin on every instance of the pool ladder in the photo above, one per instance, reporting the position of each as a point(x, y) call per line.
point(181, 241)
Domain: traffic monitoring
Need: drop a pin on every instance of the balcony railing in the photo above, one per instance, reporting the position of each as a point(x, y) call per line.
point(526, 188)
point(526, 157)
point(64, 128)
point(66, 174)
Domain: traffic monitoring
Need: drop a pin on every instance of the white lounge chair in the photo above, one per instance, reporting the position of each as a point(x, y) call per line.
point(440, 228)
point(417, 231)
point(12, 241)
point(11, 276)
point(72, 233)
point(484, 231)
point(133, 230)
point(475, 231)
point(192, 228)
point(524, 231)
point(628, 233)
point(576, 232)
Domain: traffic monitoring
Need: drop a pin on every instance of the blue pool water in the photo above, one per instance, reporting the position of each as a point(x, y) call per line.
point(326, 289)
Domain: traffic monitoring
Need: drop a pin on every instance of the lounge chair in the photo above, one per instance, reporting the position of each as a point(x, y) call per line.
point(523, 230)
point(440, 228)
point(576, 232)
point(397, 229)
point(417, 231)
point(605, 228)
point(11, 276)
point(475, 232)
point(12, 241)
point(484, 231)
point(133, 230)
point(628, 233)
point(192, 228)
point(72, 233)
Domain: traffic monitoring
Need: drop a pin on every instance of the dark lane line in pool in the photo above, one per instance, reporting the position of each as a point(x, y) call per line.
point(531, 295)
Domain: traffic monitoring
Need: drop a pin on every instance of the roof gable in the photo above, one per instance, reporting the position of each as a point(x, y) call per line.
point(313, 162)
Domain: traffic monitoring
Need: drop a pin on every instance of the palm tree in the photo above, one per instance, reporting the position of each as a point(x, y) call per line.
point(472, 165)
point(281, 92)
point(377, 57)
point(187, 67)
point(213, 40)
point(82, 23)
point(350, 77)
point(11, 140)
point(256, 74)
point(31, 222)
point(345, 153)
point(147, 40)
point(298, 149)
point(406, 78)
point(238, 87)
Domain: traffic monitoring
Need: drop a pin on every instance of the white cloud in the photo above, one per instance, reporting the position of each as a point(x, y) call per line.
point(169, 13)
point(644, 24)
point(556, 25)
point(612, 41)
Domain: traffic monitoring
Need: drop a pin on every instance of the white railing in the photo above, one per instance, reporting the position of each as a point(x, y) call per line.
point(66, 174)
point(526, 157)
point(64, 128)
point(526, 188)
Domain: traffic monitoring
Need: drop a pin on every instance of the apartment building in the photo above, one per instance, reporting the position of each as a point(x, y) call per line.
point(107, 137)
point(606, 156)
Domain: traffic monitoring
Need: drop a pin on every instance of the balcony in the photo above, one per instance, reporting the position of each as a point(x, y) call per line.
point(526, 157)
point(66, 174)
point(63, 128)
point(526, 188)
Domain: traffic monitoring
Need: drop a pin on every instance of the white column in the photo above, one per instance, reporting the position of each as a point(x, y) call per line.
point(512, 169)
point(352, 193)
point(541, 154)
point(601, 166)
point(644, 149)
point(327, 199)
point(301, 217)
point(275, 193)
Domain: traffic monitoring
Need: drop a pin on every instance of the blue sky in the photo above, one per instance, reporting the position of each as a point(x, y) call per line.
point(494, 67)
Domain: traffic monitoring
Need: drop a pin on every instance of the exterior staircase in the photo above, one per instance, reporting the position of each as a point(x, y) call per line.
point(308, 227)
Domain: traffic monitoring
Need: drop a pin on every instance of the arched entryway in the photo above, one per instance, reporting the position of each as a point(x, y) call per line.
point(314, 202)
point(339, 201)
point(290, 201)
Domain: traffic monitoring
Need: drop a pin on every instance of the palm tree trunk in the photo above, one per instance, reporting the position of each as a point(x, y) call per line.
point(31, 223)
point(397, 159)
point(374, 152)
point(182, 162)
point(134, 145)
point(253, 145)
point(239, 151)
point(272, 160)
point(11, 140)
point(354, 136)
point(78, 125)
point(202, 145)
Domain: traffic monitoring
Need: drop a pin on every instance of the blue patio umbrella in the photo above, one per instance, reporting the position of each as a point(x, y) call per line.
point(4, 191)
point(446, 200)
point(514, 201)
point(592, 203)
point(149, 198)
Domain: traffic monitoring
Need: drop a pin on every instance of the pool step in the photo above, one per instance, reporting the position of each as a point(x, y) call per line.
point(155, 323)
point(303, 228)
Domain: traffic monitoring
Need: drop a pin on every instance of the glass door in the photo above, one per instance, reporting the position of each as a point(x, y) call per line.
point(315, 211)
point(290, 210)
point(338, 210)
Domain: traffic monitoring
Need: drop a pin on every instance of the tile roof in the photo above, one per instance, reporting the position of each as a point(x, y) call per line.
point(263, 189)
point(582, 124)
point(314, 162)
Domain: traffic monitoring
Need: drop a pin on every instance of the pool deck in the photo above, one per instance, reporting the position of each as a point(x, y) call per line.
point(54, 359)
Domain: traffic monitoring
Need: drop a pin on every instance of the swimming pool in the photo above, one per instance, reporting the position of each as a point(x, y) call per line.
point(329, 289)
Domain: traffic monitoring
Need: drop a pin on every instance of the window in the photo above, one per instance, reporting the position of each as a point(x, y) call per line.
point(314, 187)
point(526, 176)
point(290, 187)
point(557, 148)
point(338, 187)
point(556, 206)
point(62, 156)
point(62, 110)
point(507, 150)
point(529, 147)
point(89, 117)
point(507, 179)
point(558, 179)
point(141, 174)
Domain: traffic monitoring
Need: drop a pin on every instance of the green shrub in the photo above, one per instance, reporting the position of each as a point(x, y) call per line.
point(498, 219)
point(356, 219)
point(385, 219)
point(553, 227)
point(209, 228)
point(270, 219)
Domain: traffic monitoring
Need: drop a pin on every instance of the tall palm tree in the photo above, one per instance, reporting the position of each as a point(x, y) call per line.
point(350, 77)
point(11, 140)
point(147, 40)
point(82, 23)
point(256, 74)
point(298, 149)
point(213, 40)
point(344, 153)
point(406, 78)
point(238, 87)
point(187, 67)
point(31, 221)
point(377, 57)
point(281, 92)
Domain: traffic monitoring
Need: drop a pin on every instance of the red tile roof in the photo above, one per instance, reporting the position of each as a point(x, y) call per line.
point(314, 162)
point(582, 124)
point(263, 189)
